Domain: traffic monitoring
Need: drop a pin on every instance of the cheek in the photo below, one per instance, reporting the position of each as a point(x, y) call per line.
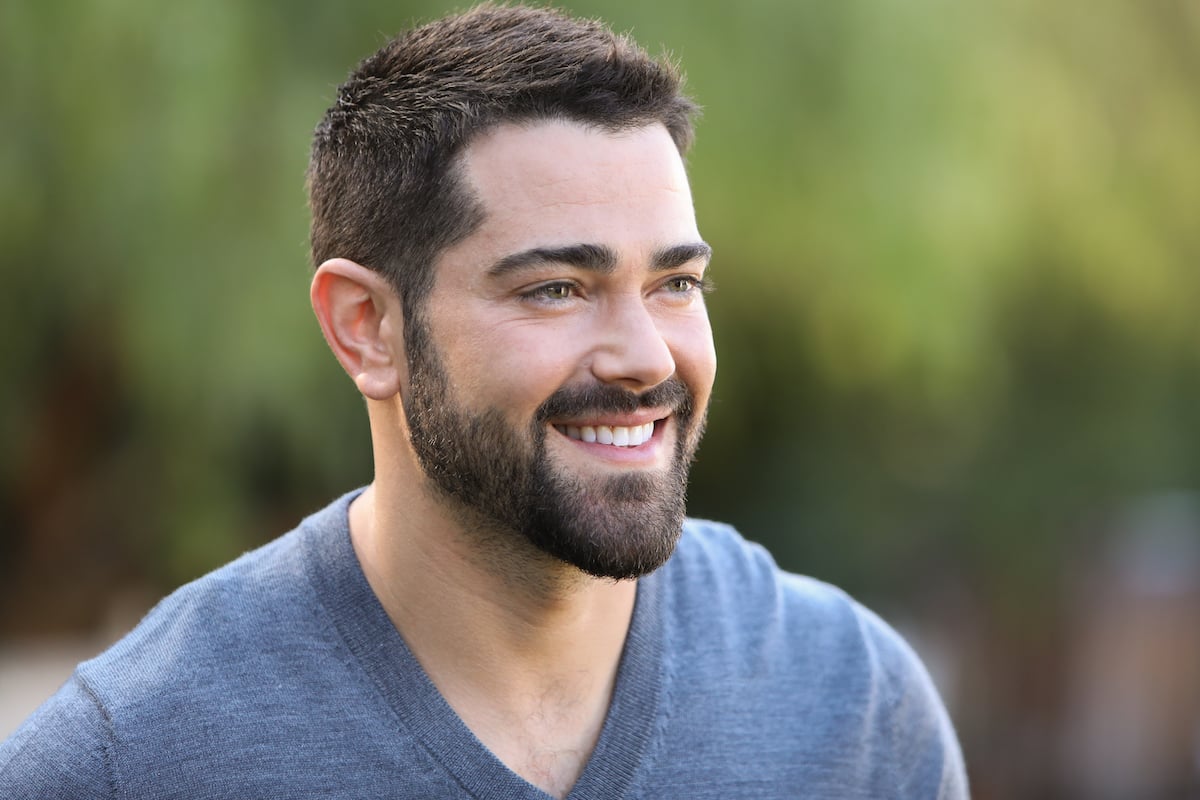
point(695, 354)
point(514, 368)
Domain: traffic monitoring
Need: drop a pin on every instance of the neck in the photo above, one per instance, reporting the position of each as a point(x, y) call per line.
point(524, 648)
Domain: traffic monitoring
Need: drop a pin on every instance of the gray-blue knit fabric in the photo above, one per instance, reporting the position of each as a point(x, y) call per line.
point(281, 676)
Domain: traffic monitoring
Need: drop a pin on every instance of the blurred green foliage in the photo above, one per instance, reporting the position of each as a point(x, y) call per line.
point(956, 256)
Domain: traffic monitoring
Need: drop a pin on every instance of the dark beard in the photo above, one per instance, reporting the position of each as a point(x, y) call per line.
point(619, 527)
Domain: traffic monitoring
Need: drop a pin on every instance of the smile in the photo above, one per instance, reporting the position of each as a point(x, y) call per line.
point(615, 435)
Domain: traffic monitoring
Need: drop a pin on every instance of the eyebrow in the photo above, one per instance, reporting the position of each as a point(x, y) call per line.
point(592, 257)
point(673, 257)
point(597, 258)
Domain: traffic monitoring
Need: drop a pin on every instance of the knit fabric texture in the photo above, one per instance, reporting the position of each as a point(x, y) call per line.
point(280, 675)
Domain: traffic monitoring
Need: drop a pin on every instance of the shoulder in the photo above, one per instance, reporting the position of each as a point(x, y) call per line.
point(246, 625)
point(227, 625)
point(806, 663)
point(206, 626)
point(63, 750)
point(718, 571)
point(221, 662)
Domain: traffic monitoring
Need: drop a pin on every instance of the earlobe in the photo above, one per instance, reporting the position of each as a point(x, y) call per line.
point(360, 315)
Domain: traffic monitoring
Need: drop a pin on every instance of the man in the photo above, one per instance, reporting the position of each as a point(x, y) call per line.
point(509, 268)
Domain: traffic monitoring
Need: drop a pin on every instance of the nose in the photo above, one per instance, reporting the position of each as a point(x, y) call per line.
point(631, 350)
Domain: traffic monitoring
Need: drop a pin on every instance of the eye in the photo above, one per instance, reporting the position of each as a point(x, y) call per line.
point(685, 284)
point(556, 291)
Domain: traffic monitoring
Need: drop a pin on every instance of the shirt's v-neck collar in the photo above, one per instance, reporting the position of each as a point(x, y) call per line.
point(368, 632)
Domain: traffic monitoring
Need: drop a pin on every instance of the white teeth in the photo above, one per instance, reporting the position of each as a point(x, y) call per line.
point(616, 435)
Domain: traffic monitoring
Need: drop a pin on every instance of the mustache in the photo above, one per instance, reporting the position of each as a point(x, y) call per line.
point(603, 398)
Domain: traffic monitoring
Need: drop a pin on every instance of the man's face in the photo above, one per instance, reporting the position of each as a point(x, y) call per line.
point(564, 363)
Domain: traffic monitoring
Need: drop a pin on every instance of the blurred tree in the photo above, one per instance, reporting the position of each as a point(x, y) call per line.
point(955, 250)
point(958, 314)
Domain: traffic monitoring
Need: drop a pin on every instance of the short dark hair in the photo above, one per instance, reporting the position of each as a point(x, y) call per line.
point(384, 178)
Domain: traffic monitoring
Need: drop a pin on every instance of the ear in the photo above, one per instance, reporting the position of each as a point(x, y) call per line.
point(360, 315)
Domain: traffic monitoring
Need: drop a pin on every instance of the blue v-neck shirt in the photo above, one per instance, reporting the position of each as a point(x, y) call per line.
point(281, 676)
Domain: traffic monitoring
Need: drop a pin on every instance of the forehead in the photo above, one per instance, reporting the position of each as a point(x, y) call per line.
point(560, 182)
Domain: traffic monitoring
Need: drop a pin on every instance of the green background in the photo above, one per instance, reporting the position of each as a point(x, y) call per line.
point(957, 310)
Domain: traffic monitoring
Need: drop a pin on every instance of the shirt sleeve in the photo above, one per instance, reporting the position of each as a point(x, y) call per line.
point(62, 750)
point(912, 721)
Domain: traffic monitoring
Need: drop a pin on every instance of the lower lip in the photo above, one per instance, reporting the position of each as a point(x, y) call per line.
point(644, 453)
